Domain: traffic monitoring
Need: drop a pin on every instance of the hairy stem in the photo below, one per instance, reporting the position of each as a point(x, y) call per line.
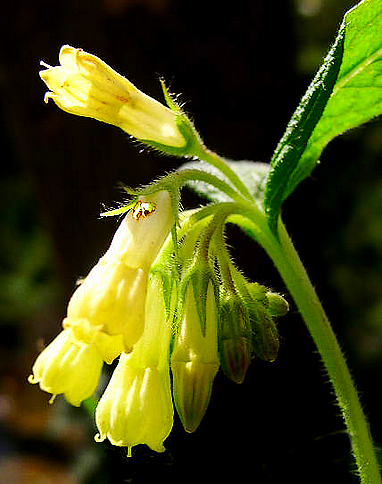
point(301, 289)
point(318, 324)
point(204, 154)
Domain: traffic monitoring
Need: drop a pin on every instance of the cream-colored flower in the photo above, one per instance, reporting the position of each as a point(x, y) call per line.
point(68, 366)
point(139, 238)
point(106, 313)
point(195, 359)
point(85, 85)
point(136, 407)
point(111, 300)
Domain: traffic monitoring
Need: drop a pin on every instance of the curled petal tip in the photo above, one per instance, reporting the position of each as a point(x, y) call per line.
point(99, 438)
point(47, 96)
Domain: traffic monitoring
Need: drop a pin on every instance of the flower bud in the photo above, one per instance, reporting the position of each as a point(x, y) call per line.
point(265, 337)
point(68, 366)
point(235, 347)
point(136, 407)
point(278, 306)
point(84, 85)
point(111, 299)
point(195, 360)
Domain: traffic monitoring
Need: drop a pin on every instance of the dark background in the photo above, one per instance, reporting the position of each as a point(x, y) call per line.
point(241, 68)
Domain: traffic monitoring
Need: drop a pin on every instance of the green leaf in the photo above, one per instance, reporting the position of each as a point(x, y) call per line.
point(288, 152)
point(253, 173)
point(327, 110)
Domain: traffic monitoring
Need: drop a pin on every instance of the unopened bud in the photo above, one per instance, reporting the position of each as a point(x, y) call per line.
point(265, 335)
point(263, 306)
point(235, 347)
point(195, 360)
point(278, 306)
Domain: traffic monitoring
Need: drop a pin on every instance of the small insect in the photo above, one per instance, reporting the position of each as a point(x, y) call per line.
point(142, 209)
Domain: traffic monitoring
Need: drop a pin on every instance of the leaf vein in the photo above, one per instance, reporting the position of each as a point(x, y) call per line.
point(357, 70)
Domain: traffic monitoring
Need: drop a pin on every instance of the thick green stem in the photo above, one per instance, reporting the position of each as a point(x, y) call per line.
point(301, 289)
point(306, 299)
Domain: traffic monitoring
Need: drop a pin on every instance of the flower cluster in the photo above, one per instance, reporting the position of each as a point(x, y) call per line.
point(159, 318)
point(166, 298)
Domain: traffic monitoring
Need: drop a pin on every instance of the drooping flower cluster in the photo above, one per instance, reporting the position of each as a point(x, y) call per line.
point(188, 321)
point(105, 314)
point(169, 306)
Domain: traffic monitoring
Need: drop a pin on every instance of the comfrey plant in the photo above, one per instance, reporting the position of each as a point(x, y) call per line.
point(166, 298)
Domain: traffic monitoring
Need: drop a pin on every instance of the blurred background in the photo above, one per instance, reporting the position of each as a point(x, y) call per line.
point(241, 69)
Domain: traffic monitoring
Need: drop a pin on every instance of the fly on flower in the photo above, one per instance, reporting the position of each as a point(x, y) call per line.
point(143, 209)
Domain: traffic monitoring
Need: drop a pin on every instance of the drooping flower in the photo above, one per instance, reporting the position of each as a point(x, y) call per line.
point(112, 298)
point(68, 366)
point(86, 86)
point(136, 407)
point(106, 313)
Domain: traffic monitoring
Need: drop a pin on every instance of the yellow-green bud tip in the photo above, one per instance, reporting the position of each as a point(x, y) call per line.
point(278, 306)
point(193, 382)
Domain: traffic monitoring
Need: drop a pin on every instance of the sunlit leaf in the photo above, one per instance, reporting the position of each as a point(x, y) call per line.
point(355, 97)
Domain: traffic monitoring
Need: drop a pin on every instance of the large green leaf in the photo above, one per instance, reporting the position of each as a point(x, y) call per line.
point(355, 98)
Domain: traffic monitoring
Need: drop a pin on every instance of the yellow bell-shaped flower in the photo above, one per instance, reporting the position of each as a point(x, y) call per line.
point(111, 300)
point(106, 313)
point(68, 366)
point(84, 85)
point(136, 407)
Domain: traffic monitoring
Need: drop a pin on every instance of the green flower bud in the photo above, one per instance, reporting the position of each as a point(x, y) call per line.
point(195, 360)
point(277, 305)
point(235, 346)
point(265, 337)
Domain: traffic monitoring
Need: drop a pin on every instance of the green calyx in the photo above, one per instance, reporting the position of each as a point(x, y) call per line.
point(192, 139)
point(234, 331)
